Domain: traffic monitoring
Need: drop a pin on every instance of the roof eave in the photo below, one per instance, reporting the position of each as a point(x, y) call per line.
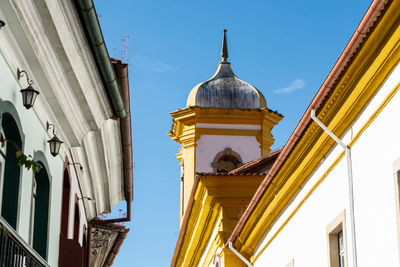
point(358, 38)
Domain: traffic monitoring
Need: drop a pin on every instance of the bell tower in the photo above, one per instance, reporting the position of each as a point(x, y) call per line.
point(225, 124)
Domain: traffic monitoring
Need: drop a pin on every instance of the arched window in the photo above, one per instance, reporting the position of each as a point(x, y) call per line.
point(65, 204)
point(76, 222)
point(40, 203)
point(226, 161)
point(11, 172)
point(84, 246)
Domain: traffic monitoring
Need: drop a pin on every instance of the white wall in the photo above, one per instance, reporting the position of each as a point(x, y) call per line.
point(35, 140)
point(208, 146)
point(304, 238)
point(36, 137)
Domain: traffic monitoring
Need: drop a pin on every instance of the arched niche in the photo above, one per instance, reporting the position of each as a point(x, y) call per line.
point(226, 161)
point(11, 129)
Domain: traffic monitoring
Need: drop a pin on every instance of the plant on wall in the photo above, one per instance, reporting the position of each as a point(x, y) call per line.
point(23, 160)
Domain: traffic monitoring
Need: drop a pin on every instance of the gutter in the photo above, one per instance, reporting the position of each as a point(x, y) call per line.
point(239, 255)
point(91, 25)
point(350, 185)
point(359, 37)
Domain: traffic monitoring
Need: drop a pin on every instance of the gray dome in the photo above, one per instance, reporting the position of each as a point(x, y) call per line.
point(225, 90)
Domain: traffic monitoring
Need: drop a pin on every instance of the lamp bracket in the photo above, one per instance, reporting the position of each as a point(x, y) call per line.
point(77, 163)
point(21, 73)
point(49, 125)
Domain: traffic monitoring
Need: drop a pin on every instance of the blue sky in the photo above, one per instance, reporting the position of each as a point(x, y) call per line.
point(284, 48)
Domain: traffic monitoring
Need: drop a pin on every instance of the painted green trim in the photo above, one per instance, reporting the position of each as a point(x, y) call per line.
point(42, 205)
point(96, 41)
point(8, 107)
point(39, 156)
point(12, 172)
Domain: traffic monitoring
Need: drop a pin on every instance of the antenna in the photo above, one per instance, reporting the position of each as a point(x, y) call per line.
point(126, 49)
point(123, 50)
point(126, 53)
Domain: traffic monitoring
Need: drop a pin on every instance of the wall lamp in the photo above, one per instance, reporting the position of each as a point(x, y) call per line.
point(28, 94)
point(2, 23)
point(55, 142)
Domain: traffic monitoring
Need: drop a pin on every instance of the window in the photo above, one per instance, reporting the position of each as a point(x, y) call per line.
point(3, 152)
point(226, 161)
point(40, 204)
point(76, 222)
point(11, 172)
point(396, 172)
point(291, 263)
point(85, 247)
point(65, 204)
point(216, 261)
point(340, 248)
point(337, 242)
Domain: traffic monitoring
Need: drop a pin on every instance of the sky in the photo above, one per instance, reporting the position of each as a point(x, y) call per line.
point(283, 48)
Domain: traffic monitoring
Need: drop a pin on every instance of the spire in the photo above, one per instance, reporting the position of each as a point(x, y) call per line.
point(224, 52)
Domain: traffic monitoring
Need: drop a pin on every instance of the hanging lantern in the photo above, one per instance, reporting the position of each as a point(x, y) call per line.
point(55, 145)
point(29, 94)
point(54, 142)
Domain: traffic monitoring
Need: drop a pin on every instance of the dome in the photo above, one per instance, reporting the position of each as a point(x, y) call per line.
point(225, 90)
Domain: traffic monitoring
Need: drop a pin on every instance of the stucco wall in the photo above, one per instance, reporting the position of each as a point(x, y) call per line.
point(304, 238)
point(208, 146)
point(36, 137)
point(35, 140)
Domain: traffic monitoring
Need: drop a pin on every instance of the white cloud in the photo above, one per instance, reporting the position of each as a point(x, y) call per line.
point(153, 65)
point(296, 84)
point(160, 66)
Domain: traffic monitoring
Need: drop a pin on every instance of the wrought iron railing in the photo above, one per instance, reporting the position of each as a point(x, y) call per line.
point(14, 252)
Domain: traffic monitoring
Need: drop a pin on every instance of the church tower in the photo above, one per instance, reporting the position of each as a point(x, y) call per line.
point(225, 124)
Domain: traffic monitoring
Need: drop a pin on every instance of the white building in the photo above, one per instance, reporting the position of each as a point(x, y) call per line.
point(84, 97)
point(324, 206)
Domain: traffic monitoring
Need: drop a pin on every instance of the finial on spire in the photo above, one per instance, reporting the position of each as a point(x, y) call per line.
point(224, 52)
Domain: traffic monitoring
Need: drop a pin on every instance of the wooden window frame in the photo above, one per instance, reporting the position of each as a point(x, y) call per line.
point(336, 226)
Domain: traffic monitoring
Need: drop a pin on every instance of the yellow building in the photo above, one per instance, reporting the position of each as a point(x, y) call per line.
point(225, 124)
point(330, 197)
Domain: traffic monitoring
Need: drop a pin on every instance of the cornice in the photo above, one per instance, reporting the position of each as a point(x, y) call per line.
point(37, 32)
point(70, 84)
point(212, 194)
point(185, 131)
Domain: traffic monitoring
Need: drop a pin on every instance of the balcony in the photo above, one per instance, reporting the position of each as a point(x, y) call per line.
point(14, 251)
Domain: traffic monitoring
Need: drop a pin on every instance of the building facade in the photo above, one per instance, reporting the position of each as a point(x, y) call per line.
point(50, 211)
point(330, 197)
point(225, 124)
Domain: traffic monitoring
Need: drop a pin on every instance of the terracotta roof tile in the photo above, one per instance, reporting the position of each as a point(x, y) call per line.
point(226, 174)
point(258, 163)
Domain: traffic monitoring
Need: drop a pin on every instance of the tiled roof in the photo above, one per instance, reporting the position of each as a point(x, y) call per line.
point(258, 163)
point(226, 174)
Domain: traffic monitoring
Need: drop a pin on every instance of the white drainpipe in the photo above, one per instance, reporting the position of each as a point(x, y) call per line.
point(239, 255)
point(350, 183)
